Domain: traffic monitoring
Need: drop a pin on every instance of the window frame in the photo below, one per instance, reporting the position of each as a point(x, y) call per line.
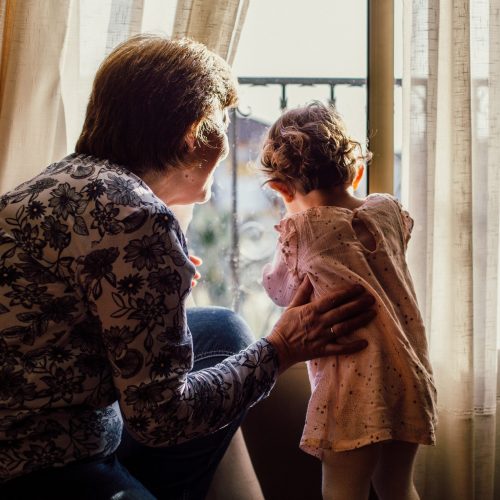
point(380, 95)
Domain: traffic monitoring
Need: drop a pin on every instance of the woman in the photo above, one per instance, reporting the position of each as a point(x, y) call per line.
point(94, 275)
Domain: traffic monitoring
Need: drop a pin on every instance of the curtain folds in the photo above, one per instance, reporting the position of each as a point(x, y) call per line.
point(31, 111)
point(452, 138)
point(216, 23)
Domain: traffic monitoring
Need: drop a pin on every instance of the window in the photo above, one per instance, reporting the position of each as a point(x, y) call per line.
point(288, 54)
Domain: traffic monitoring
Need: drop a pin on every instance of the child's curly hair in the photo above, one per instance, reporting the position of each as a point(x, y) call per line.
point(309, 148)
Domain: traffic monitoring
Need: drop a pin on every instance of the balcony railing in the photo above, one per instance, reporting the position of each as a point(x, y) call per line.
point(284, 83)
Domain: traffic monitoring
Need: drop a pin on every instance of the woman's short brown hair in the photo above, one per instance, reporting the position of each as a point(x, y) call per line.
point(309, 148)
point(146, 96)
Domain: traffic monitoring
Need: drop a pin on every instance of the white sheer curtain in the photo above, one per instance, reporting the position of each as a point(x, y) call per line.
point(31, 112)
point(451, 150)
point(216, 23)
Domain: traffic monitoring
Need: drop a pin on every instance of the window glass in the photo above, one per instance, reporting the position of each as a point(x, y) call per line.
point(234, 232)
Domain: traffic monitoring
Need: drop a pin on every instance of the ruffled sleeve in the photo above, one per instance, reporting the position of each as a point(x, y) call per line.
point(406, 221)
point(288, 243)
point(280, 279)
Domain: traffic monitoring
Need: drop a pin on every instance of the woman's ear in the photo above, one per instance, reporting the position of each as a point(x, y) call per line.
point(283, 189)
point(359, 175)
point(190, 137)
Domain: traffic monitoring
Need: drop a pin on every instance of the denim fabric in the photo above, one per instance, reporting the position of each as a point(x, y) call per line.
point(137, 472)
point(217, 333)
point(97, 479)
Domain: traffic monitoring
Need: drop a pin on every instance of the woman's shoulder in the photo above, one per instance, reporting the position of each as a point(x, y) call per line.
point(93, 198)
point(102, 182)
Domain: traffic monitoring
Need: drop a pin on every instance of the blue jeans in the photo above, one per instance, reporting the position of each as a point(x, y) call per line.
point(138, 472)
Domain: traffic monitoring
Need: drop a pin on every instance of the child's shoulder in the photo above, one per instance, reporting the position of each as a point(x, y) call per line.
point(314, 214)
point(375, 205)
point(379, 199)
point(381, 203)
point(386, 211)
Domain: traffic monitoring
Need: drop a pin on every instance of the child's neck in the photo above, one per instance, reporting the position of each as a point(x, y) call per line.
point(337, 196)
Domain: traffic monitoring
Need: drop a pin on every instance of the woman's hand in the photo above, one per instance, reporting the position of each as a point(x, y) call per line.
point(308, 330)
point(197, 262)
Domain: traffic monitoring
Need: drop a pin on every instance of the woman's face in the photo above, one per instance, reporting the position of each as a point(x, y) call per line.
point(194, 183)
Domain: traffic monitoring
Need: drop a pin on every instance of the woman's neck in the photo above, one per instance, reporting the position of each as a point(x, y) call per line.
point(337, 196)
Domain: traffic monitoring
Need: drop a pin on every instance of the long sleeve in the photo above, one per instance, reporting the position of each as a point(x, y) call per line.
point(280, 278)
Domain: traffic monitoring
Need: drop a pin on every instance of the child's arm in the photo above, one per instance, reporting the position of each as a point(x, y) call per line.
point(280, 283)
point(281, 279)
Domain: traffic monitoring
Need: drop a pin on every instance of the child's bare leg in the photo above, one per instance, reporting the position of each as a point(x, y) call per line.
point(393, 477)
point(347, 474)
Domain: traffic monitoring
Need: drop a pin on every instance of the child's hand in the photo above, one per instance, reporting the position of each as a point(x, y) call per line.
point(197, 262)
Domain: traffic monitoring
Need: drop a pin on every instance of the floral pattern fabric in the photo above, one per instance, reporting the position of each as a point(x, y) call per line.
point(94, 273)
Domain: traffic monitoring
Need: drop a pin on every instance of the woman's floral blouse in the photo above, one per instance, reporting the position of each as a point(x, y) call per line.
point(94, 274)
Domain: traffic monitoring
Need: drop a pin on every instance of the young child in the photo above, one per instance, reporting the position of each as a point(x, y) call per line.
point(368, 412)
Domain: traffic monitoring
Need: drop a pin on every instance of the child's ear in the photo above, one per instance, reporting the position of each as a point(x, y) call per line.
point(359, 175)
point(283, 189)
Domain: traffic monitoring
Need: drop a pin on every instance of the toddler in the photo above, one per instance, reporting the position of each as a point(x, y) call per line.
point(368, 412)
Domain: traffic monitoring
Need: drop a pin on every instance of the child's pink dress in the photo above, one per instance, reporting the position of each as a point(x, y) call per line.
point(385, 391)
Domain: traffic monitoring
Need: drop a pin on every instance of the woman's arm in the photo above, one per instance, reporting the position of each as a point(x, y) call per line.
point(140, 303)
